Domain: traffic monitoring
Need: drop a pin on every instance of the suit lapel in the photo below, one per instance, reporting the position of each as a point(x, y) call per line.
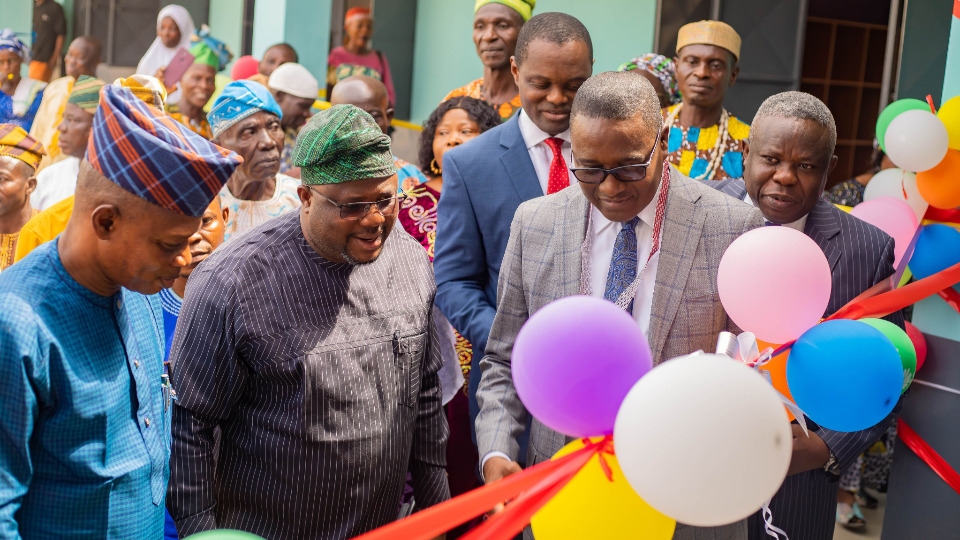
point(823, 227)
point(572, 225)
point(516, 161)
point(682, 229)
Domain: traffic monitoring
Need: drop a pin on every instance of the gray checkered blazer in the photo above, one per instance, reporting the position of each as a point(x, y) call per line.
point(542, 263)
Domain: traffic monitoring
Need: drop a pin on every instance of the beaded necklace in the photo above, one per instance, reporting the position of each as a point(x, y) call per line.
point(719, 147)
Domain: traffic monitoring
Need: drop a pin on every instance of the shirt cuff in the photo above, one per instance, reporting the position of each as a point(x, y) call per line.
point(487, 457)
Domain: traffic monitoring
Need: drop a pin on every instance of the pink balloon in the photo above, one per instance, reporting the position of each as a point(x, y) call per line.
point(774, 282)
point(575, 360)
point(892, 216)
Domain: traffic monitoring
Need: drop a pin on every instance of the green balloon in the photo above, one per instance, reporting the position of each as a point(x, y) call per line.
point(224, 534)
point(892, 111)
point(901, 341)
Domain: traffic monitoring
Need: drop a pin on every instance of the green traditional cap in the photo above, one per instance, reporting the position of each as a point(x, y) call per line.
point(203, 54)
point(86, 93)
point(342, 144)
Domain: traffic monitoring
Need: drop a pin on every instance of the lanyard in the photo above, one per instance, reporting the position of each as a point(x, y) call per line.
point(626, 297)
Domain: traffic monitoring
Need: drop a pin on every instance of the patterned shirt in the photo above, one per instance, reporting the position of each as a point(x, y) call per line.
point(201, 128)
point(245, 215)
point(323, 379)
point(475, 90)
point(408, 175)
point(691, 150)
point(286, 155)
point(85, 422)
point(847, 193)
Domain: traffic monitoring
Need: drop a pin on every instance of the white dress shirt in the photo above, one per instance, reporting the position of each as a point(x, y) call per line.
point(541, 154)
point(797, 225)
point(55, 183)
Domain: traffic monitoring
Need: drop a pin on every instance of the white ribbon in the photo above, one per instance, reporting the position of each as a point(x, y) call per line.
point(768, 525)
point(937, 386)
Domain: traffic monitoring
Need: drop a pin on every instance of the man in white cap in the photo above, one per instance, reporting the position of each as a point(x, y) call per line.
point(295, 90)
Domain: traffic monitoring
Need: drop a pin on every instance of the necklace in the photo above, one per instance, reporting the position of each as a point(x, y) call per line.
point(719, 147)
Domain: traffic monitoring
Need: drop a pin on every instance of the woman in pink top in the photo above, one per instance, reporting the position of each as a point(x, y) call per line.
point(356, 57)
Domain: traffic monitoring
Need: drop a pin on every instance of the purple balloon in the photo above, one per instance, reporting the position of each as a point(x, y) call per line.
point(574, 362)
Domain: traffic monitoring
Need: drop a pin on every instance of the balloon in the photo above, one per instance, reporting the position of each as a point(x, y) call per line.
point(703, 439)
point(592, 506)
point(899, 184)
point(902, 342)
point(224, 534)
point(916, 140)
point(938, 248)
point(774, 282)
point(919, 343)
point(949, 113)
point(573, 362)
point(777, 369)
point(845, 375)
point(892, 216)
point(893, 110)
point(940, 186)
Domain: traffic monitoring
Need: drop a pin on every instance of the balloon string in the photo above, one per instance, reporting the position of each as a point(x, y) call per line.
point(768, 526)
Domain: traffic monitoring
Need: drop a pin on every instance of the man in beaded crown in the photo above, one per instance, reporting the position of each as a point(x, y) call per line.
point(705, 142)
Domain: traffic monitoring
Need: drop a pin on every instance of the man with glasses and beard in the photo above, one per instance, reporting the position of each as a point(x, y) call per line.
point(317, 364)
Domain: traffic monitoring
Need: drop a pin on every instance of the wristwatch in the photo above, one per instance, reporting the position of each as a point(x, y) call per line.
point(832, 466)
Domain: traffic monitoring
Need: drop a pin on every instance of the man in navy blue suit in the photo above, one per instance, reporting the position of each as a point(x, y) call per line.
point(787, 161)
point(486, 180)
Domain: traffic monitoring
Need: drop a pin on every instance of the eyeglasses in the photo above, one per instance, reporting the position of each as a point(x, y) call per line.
point(626, 173)
point(359, 210)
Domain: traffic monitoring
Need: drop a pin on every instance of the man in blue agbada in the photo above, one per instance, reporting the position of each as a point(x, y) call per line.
point(84, 402)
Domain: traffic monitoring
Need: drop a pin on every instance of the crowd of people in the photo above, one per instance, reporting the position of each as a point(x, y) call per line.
point(237, 309)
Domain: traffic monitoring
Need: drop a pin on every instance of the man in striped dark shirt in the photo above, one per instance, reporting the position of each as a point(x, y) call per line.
point(316, 362)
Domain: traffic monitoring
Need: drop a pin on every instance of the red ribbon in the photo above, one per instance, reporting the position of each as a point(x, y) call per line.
point(928, 455)
point(885, 303)
point(530, 489)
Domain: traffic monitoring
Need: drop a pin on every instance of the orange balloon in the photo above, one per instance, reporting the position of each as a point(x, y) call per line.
point(777, 367)
point(940, 186)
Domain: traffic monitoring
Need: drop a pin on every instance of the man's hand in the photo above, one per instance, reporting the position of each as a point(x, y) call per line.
point(808, 452)
point(495, 469)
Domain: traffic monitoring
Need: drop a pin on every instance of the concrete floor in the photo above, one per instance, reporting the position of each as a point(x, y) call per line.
point(874, 520)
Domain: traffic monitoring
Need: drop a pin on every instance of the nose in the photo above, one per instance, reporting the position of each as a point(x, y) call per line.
point(488, 33)
point(373, 218)
point(785, 175)
point(702, 71)
point(610, 187)
point(265, 141)
point(183, 259)
point(556, 96)
point(455, 140)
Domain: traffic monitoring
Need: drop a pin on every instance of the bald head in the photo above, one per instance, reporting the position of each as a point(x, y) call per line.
point(83, 56)
point(366, 93)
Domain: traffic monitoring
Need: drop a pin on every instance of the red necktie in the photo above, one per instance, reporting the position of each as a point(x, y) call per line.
point(559, 177)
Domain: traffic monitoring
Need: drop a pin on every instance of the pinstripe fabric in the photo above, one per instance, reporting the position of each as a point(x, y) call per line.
point(323, 380)
point(84, 435)
point(860, 255)
point(542, 263)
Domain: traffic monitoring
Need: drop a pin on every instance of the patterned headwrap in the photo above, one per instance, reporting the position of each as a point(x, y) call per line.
point(155, 157)
point(203, 54)
point(16, 143)
point(342, 144)
point(86, 93)
point(356, 12)
point(9, 41)
point(660, 67)
point(147, 88)
point(715, 33)
point(523, 7)
point(239, 100)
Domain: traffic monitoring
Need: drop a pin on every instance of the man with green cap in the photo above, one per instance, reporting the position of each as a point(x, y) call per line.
point(196, 87)
point(317, 365)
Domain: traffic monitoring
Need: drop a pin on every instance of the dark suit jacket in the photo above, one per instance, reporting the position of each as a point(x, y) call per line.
point(860, 256)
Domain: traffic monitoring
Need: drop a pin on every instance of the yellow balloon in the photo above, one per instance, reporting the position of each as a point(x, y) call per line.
point(949, 114)
point(592, 506)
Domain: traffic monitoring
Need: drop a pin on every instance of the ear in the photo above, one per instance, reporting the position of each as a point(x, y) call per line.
point(664, 136)
point(389, 114)
point(734, 72)
point(515, 70)
point(104, 219)
point(833, 164)
point(31, 184)
point(306, 197)
point(225, 214)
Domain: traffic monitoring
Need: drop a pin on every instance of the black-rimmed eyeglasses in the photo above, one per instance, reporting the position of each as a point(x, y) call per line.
point(359, 210)
point(625, 173)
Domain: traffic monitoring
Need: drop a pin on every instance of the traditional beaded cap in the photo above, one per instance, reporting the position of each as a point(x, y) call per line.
point(342, 144)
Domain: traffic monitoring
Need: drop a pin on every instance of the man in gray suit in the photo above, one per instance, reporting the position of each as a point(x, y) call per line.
point(787, 162)
point(626, 192)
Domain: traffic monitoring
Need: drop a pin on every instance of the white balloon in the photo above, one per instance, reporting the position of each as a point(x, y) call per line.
point(916, 140)
point(703, 439)
point(892, 183)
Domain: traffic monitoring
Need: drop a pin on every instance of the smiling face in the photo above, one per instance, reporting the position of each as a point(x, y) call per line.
point(495, 31)
point(339, 240)
point(548, 80)
point(786, 165)
point(607, 143)
point(74, 131)
point(258, 138)
point(704, 73)
point(198, 84)
point(169, 33)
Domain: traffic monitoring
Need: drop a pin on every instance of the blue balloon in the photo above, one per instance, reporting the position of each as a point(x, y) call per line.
point(845, 375)
point(938, 248)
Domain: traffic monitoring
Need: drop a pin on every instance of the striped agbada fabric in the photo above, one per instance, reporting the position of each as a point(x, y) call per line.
point(17, 143)
point(155, 157)
point(322, 378)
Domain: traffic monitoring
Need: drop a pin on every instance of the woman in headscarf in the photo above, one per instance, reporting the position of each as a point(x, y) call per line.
point(19, 98)
point(195, 89)
point(356, 57)
point(174, 30)
point(662, 74)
